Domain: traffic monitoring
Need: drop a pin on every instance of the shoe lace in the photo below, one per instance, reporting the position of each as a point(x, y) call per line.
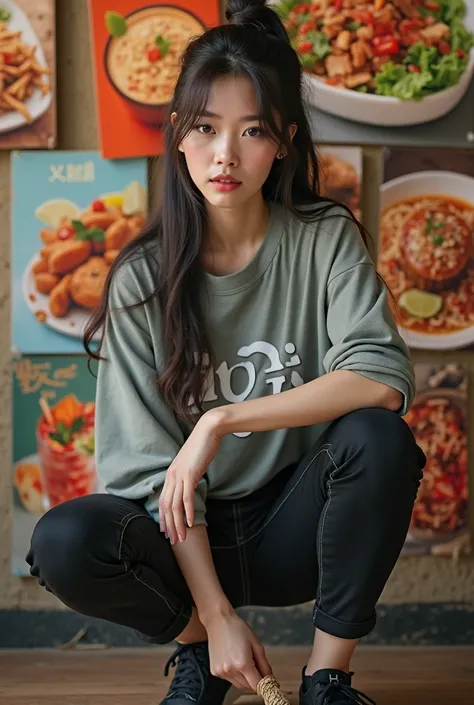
point(336, 688)
point(190, 661)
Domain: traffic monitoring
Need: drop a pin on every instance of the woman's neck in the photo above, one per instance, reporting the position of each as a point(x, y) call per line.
point(231, 229)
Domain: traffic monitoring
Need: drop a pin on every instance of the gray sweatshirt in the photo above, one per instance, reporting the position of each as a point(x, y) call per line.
point(308, 303)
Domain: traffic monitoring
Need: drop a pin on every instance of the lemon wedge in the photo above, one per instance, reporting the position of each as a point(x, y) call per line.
point(420, 304)
point(113, 199)
point(134, 199)
point(50, 212)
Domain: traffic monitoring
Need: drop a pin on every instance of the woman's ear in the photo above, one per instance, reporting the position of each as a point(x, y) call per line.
point(173, 122)
point(292, 130)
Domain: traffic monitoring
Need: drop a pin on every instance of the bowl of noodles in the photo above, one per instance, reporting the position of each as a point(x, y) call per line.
point(426, 256)
point(437, 419)
point(142, 56)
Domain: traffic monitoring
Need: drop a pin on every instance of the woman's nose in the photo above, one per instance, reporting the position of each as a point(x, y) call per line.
point(226, 155)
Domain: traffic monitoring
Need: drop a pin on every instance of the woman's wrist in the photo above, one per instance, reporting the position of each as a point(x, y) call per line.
point(218, 610)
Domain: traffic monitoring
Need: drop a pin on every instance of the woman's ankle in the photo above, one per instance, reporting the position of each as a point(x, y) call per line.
point(194, 630)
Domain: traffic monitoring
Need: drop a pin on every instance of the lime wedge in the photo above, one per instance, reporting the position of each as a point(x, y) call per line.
point(115, 23)
point(50, 212)
point(420, 304)
point(134, 199)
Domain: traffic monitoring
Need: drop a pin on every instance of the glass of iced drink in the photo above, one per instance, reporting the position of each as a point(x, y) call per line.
point(65, 439)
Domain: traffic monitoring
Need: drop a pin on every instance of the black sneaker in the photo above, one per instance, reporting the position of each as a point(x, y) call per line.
point(193, 679)
point(331, 687)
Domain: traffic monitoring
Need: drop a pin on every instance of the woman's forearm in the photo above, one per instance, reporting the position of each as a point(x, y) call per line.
point(195, 560)
point(323, 399)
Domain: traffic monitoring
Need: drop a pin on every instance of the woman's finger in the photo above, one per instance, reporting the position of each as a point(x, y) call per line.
point(161, 508)
point(188, 501)
point(252, 677)
point(178, 510)
point(261, 661)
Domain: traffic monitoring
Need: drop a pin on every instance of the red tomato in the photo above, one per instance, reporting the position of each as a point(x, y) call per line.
point(414, 68)
point(461, 53)
point(362, 16)
point(154, 54)
point(98, 206)
point(332, 81)
point(432, 5)
point(305, 47)
point(383, 28)
point(7, 57)
point(409, 25)
point(444, 47)
point(338, 4)
point(65, 232)
point(307, 26)
point(385, 45)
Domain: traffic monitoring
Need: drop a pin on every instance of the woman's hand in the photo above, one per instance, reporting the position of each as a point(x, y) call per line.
point(235, 652)
point(177, 497)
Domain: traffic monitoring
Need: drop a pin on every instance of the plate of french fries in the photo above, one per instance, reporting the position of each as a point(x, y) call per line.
point(25, 78)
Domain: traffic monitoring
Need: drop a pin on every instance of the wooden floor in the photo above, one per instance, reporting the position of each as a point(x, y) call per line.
point(401, 676)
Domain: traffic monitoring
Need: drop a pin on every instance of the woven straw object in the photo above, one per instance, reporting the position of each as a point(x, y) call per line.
point(269, 690)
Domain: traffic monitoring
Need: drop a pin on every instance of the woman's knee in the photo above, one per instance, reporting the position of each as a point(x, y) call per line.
point(63, 545)
point(384, 443)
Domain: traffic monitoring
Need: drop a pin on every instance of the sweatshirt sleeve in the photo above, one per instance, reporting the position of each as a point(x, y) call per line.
point(360, 324)
point(137, 435)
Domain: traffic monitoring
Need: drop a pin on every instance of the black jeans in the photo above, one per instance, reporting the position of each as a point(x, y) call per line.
point(329, 528)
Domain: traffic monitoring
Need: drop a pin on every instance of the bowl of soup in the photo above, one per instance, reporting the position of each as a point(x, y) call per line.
point(143, 62)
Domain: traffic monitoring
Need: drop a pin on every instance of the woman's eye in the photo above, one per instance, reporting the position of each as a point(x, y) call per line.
point(254, 131)
point(204, 129)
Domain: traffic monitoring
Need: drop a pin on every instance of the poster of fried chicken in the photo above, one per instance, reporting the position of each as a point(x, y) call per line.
point(66, 233)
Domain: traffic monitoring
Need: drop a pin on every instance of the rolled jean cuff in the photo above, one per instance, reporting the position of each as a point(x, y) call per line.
point(343, 630)
point(179, 623)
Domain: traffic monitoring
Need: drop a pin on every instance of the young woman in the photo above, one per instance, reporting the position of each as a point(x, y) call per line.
point(250, 391)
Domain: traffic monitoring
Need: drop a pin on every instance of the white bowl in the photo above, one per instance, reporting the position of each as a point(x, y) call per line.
point(384, 110)
point(425, 183)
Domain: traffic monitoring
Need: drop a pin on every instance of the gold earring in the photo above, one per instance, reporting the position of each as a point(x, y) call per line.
point(280, 155)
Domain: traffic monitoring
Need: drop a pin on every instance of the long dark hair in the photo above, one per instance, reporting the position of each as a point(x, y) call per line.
point(254, 44)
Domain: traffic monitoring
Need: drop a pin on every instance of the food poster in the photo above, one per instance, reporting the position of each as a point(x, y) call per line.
point(386, 65)
point(27, 74)
point(341, 175)
point(426, 244)
point(67, 230)
point(439, 421)
point(137, 47)
point(53, 440)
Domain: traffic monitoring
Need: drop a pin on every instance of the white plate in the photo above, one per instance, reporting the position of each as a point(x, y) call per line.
point(421, 184)
point(72, 324)
point(385, 110)
point(38, 103)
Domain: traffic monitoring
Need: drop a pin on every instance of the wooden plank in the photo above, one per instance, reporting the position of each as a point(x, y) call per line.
point(422, 676)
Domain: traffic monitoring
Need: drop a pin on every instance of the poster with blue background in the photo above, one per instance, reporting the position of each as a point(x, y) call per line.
point(72, 212)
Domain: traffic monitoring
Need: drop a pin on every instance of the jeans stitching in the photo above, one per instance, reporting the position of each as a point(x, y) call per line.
point(167, 603)
point(323, 449)
point(237, 529)
point(126, 521)
point(244, 563)
point(321, 535)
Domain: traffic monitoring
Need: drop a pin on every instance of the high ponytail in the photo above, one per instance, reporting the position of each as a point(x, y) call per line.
point(255, 13)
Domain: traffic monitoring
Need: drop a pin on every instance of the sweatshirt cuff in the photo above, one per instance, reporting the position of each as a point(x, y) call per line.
point(390, 380)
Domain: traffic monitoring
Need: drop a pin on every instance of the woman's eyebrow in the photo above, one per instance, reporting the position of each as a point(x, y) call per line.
point(244, 118)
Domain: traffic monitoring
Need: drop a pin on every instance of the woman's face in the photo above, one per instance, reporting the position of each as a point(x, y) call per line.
point(229, 142)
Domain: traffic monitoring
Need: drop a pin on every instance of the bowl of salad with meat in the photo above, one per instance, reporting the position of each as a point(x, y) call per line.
point(383, 62)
